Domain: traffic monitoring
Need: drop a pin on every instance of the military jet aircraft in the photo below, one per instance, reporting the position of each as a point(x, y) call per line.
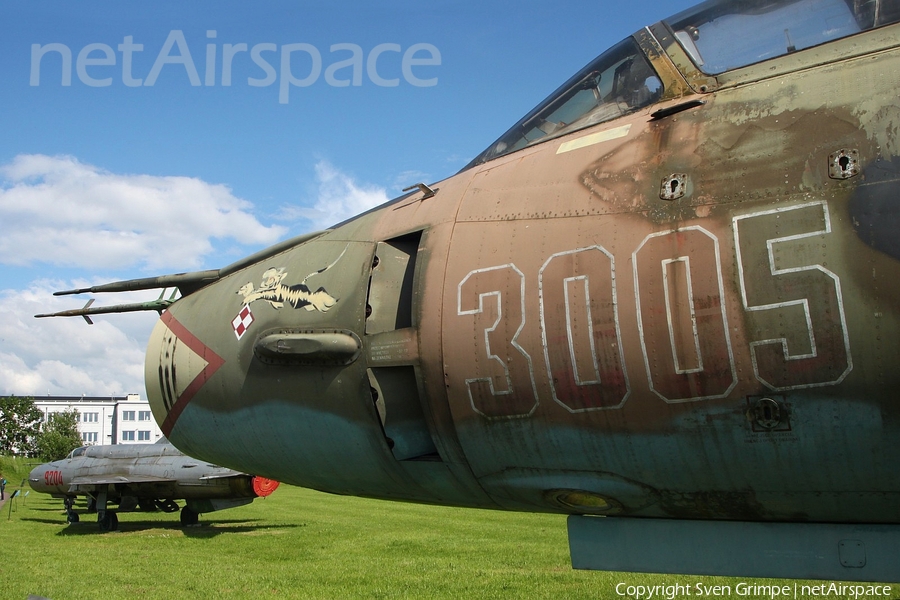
point(147, 475)
point(665, 302)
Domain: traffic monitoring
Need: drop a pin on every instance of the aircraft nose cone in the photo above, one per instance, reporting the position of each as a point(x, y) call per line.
point(33, 480)
point(36, 477)
point(244, 361)
point(45, 478)
point(178, 364)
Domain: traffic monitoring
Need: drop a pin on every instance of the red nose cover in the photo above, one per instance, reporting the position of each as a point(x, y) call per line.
point(263, 487)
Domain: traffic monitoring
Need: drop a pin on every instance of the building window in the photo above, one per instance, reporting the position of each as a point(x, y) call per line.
point(89, 437)
point(128, 436)
point(128, 415)
point(143, 436)
point(90, 417)
point(144, 415)
point(77, 417)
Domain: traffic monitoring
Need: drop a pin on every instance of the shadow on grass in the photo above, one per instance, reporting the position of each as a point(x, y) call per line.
point(219, 527)
point(41, 509)
point(88, 526)
point(60, 521)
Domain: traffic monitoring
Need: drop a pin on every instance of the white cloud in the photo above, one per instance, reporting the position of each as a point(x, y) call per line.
point(338, 198)
point(57, 210)
point(66, 356)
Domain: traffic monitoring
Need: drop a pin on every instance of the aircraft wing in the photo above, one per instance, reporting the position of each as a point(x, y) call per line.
point(224, 475)
point(112, 479)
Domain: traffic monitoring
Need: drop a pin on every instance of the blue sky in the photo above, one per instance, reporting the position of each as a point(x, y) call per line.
point(107, 178)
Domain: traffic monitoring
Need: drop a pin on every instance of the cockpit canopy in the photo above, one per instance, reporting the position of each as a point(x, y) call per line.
point(618, 82)
point(721, 35)
point(77, 452)
point(718, 35)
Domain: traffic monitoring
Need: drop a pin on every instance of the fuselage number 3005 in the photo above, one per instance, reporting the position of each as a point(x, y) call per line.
point(792, 305)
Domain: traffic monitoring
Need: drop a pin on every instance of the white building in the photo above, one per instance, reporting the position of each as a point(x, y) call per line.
point(107, 420)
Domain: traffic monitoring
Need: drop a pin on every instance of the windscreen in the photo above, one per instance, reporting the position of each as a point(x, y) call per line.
point(620, 81)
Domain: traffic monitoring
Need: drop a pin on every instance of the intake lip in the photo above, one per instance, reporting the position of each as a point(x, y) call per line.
point(334, 347)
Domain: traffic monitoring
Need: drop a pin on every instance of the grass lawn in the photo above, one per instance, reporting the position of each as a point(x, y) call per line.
point(298, 544)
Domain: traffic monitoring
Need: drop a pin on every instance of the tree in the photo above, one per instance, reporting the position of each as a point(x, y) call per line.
point(59, 435)
point(20, 422)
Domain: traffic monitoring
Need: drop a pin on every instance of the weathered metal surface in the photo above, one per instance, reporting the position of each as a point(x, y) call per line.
point(669, 307)
point(823, 551)
point(558, 323)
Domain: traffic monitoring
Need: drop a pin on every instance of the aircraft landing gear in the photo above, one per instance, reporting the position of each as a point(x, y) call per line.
point(189, 517)
point(107, 520)
point(71, 515)
point(167, 505)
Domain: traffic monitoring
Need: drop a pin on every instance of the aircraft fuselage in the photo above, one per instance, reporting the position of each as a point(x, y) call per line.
point(689, 315)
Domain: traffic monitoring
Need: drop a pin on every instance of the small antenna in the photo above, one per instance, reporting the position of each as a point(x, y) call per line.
point(790, 45)
point(427, 192)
